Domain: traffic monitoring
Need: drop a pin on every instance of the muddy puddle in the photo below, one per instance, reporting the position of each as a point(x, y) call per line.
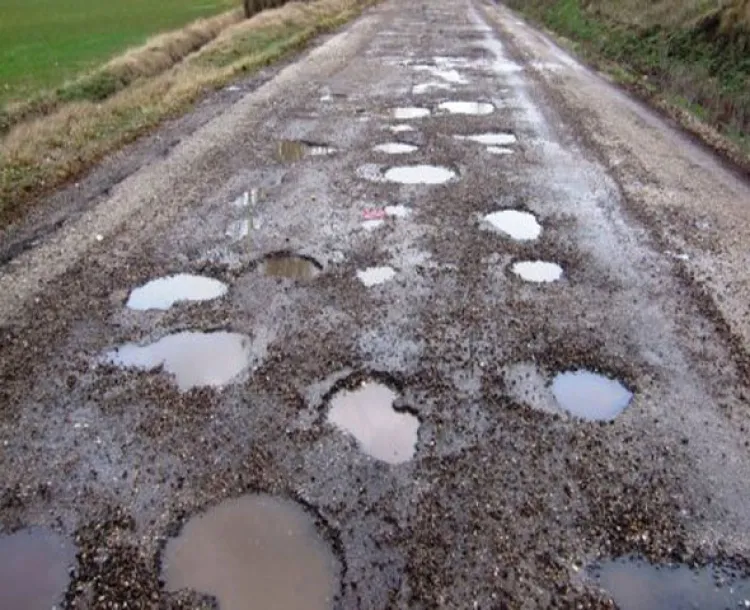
point(490, 139)
point(35, 568)
point(420, 174)
point(410, 112)
point(253, 552)
point(367, 413)
point(395, 148)
point(635, 584)
point(296, 150)
point(521, 226)
point(372, 276)
point(195, 359)
point(164, 292)
point(469, 108)
point(290, 266)
point(537, 271)
point(401, 128)
point(590, 395)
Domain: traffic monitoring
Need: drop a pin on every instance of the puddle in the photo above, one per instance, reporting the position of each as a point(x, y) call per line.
point(395, 148)
point(255, 551)
point(537, 271)
point(499, 150)
point(295, 150)
point(635, 584)
point(164, 292)
point(34, 569)
point(448, 75)
point(371, 225)
point(420, 174)
point(367, 413)
point(290, 266)
point(473, 108)
point(195, 359)
point(372, 276)
point(590, 395)
point(411, 112)
point(490, 139)
point(520, 226)
point(397, 211)
point(423, 88)
point(401, 128)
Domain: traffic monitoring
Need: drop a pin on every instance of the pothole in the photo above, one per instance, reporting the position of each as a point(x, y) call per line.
point(164, 292)
point(372, 276)
point(499, 150)
point(290, 266)
point(367, 413)
point(521, 226)
point(420, 174)
point(295, 150)
point(255, 551)
point(410, 112)
point(397, 211)
point(395, 148)
point(590, 395)
point(636, 584)
point(448, 75)
point(490, 139)
point(470, 108)
point(423, 88)
point(34, 569)
point(195, 359)
point(401, 128)
point(537, 271)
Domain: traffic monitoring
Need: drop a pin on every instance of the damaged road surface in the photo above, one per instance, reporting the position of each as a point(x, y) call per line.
point(433, 318)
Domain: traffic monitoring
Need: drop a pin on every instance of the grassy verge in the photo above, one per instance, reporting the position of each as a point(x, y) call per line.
point(691, 57)
point(40, 154)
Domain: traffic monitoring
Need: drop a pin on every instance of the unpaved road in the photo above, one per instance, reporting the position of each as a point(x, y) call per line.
point(506, 498)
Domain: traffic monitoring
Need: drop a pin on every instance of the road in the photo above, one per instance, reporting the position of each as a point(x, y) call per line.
point(504, 499)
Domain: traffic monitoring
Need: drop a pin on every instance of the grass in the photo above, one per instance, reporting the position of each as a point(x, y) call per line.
point(43, 43)
point(693, 53)
point(39, 154)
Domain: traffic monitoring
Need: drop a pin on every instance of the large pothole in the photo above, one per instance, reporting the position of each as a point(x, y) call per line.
point(590, 395)
point(290, 266)
point(164, 292)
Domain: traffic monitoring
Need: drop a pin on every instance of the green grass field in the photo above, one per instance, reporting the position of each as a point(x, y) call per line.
point(45, 42)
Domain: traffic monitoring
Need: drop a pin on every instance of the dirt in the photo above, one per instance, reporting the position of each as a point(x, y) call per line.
point(506, 499)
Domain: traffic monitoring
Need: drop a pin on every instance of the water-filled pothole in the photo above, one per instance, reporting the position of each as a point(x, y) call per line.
point(420, 174)
point(401, 128)
point(195, 359)
point(395, 148)
point(295, 150)
point(164, 292)
point(499, 150)
point(471, 108)
point(422, 88)
point(410, 112)
point(537, 271)
point(590, 395)
point(635, 584)
point(372, 276)
point(34, 569)
point(367, 413)
point(521, 226)
point(490, 139)
point(449, 75)
point(255, 551)
point(290, 266)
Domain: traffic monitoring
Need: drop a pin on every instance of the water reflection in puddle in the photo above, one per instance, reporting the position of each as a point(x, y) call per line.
point(412, 112)
point(590, 395)
point(420, 174)
point(472, 108)
point(34, 569)
point(164, 292)
point(194, 358)
point(537, 271)
point(635, 584)
point(499, 150)
point(251, 552)
point(397, 211)
point(395, 148)
point(290, 266)
point(521, 226)
point(367, 414)
point(490, 139)
point(401, 128)
point(422, 88)
point(372, 276)
point(295, 150)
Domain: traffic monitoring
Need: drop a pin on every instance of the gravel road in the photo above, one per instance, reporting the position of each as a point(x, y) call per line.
point(426, 421)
